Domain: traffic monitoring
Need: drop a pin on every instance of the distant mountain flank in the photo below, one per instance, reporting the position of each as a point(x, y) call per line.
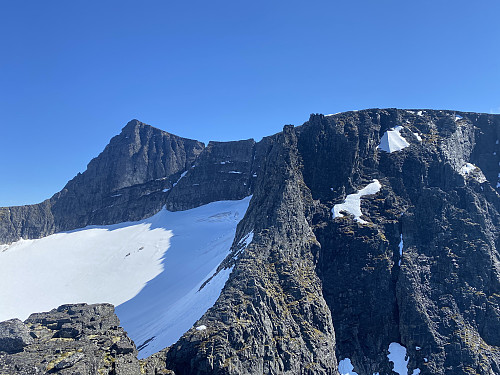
point(364, 242)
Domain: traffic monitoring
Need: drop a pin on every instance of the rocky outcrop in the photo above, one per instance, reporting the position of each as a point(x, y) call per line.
point(72, 339)
point(419, 266)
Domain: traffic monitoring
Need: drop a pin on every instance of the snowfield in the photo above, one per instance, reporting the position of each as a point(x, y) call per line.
point(152, 270)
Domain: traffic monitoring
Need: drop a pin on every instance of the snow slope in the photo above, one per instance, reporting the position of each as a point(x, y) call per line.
point(152, 269)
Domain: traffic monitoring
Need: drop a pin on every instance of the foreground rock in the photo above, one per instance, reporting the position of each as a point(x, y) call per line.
point(72, 339)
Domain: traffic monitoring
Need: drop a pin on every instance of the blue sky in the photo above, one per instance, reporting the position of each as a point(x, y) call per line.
point(72, 73)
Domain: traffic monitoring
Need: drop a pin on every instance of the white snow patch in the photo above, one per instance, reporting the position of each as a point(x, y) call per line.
point(182, 175)
point(247, 239)
point(116, 195)
point(457, 117)
point(419, 138)
point(426, 360)
point(243, 244)
point(401, 250)
point(417, 348)
point(416, 371)
point(346, 367)
point(254, 175)
point(420, 113)
point(224, 162)
point(467, 168)
point(201, 328)
point(152, 269)
point(352, 203)
point(236, 172)
point(392, 140)
point(165, 190)
point(397, 355)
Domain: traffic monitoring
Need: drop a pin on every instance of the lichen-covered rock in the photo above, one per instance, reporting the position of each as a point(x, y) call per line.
point(72, 339)
point(14, 336)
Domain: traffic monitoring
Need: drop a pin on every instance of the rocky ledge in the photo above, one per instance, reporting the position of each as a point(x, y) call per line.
point(72, 339)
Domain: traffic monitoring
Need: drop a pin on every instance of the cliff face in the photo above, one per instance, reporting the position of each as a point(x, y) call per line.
point(316, 279)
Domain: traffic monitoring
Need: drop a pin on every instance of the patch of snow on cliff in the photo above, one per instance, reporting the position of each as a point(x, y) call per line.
point(467, 168)
point(400, 249)
point(352, 203)
point(419, 138)
point(201, 328)
point(346, 367)
point(243, 244)
point(393, 141)
point(397, 355)
point(152, 270)
point(457, 117)
point(182, 175)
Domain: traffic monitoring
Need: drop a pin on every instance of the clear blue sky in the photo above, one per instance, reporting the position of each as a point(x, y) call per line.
point(72, 73)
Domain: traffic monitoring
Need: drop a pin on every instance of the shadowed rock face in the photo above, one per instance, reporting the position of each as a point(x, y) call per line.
point(310, 289)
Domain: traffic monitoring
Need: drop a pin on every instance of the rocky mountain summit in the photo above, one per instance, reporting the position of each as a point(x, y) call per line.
point(369, 233)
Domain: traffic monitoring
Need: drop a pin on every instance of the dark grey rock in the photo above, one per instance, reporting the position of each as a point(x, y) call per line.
point(96, 345)
point(69, 361)
point(14, 336)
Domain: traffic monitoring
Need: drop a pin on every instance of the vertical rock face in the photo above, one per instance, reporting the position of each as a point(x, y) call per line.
point(138, 157)
point(222, 171)
point(419, 266)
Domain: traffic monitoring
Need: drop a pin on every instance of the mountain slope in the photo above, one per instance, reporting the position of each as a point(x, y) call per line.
point(370, 235)
point(125, 182)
